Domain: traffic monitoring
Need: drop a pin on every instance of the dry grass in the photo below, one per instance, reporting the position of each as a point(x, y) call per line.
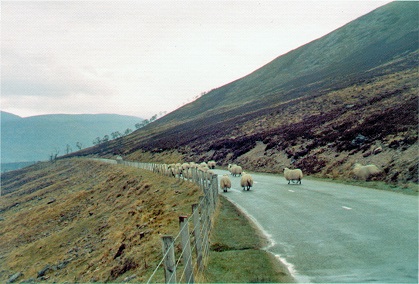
point(88, 221)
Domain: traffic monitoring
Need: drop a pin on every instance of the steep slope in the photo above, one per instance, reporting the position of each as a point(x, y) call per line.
point(85, 221)
point(370, 41)
point(35, 138)
point(321, 107)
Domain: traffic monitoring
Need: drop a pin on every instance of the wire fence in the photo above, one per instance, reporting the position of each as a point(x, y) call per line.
point(191, 244)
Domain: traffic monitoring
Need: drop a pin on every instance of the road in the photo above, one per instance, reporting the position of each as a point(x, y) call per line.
point(329, 232)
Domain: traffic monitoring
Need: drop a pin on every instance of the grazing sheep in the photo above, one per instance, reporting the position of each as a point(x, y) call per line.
point(203, 164)
point(293, 175)
point(193, 165)
point(246, 181)
point(212, 164)
point(365, 172)
point(175, 170)
point(225, 183)
point(236, 170)
point(203, 167)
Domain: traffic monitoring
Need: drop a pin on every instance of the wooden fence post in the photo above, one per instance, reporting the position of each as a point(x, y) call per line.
point(186, 248)
point(214, 185)
point(197, 235)
point(169, 260)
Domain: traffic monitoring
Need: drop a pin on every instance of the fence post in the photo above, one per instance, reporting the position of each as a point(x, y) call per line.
point(206, 218)
point(169, 260)
point(197, 235)
point(214, 185)
point(210, 194)
point(186, 248)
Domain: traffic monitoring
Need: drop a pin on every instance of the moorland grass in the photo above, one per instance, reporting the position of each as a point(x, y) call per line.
point(236, 252)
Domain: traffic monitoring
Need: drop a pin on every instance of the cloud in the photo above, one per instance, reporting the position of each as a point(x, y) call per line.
point(44, 76)
point(144, 57)
point(76, 103)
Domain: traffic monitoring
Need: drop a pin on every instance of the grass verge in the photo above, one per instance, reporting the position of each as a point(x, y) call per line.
point(236, 252)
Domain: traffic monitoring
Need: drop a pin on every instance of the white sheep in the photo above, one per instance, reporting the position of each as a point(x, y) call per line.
point(212, 164)
point(225, 183)
point(203, 167)
point(193, 165)
point(175, 169)
point(236, 170)
point(246, 181)
point(293, 175)
point(365, 172)
point(185, 166)
point(203, 164)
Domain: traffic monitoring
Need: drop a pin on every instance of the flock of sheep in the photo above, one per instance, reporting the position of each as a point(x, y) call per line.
point(246, 181)
point(185, 169)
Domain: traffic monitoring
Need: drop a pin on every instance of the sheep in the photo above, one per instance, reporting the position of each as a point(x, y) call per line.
point(203, 167)
point(203, 164)
point(193, 165)
point(185, 166)
point(293, 175)
point(225, 183)
point(236, 170)
point(246, 181)
point(365, 172)
point(175, 169)
point(187, 174)
point(212, 164)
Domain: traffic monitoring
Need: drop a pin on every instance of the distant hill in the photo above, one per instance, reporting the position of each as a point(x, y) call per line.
point(350, 96)
point(35, 138)
point(7, 117)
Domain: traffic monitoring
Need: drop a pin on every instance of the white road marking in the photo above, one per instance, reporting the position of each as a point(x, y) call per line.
point(346, 208)
point(290, 190)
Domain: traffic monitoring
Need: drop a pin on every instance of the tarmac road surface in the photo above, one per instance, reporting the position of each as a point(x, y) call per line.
point(330, 232)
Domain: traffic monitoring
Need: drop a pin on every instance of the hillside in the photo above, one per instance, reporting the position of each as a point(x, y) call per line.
point(79, 220)
point(350, 96)
point(69, 219)
point(35, 138)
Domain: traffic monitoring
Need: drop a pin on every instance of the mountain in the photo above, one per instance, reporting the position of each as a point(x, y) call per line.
point(37, 137)
point(7, 117)
point(350, 96)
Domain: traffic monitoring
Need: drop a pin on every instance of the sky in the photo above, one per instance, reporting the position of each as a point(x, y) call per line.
point(143, 58)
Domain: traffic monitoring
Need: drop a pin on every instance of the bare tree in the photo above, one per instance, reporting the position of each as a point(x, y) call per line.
point(116, 134)
point(127, 131)
point(53, 156)
point(96, 141)
point(68, 149)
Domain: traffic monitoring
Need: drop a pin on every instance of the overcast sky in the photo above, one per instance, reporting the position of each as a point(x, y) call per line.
point(142, 58)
